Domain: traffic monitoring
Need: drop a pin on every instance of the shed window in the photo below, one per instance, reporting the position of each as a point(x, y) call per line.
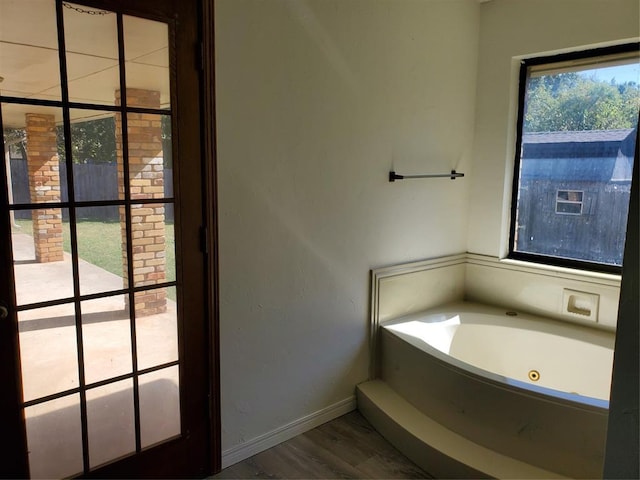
point(569, 202)
point(577, 130)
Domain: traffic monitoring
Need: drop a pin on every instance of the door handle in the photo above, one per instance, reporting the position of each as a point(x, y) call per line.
point(4, 312)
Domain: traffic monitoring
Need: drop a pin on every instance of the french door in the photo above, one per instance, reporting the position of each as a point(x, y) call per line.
point(105, 277)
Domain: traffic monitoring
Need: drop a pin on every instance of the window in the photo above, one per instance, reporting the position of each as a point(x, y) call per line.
point(569, 202)
point(577, 130)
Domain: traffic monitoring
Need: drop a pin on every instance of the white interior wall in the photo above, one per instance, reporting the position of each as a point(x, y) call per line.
point(512, 29)
point(316, 101)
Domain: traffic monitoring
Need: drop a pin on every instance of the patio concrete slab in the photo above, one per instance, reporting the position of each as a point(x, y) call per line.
point(39, 282)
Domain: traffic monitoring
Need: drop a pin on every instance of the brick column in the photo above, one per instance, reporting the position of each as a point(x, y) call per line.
point(44, 186)
point(146, 175)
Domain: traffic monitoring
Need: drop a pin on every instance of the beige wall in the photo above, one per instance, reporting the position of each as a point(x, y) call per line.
point(316, 101)
point(509, 30)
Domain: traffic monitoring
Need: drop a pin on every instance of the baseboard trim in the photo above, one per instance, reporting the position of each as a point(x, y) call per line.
point(286, 432)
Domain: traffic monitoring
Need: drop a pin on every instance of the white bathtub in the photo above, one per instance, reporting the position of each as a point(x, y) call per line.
point(531, 388)
point(534, 353)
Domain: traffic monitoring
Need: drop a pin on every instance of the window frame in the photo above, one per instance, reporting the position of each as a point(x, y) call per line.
point(525, 65)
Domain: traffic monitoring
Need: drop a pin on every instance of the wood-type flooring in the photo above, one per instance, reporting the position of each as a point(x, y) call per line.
point(347, 447)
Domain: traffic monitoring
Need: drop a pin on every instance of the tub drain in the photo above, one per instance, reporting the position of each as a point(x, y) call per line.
point(534, 375)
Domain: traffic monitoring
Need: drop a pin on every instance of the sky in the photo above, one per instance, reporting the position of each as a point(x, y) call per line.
point(622, 73)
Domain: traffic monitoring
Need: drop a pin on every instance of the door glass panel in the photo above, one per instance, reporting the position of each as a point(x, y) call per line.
point(153, 245)
point(33, 139)
point(91, 41)
point(106, 336)
point(149, 155)
point(156, 327)
point(159, 420)
point(110, 422)
point(96, 156)
point(43, 271)
point(102, 250)
point(54, 437)
point(30, 53)
point(48, 352)
point(146, 51)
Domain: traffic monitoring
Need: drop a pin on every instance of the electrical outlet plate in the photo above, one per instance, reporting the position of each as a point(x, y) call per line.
point(580, 305)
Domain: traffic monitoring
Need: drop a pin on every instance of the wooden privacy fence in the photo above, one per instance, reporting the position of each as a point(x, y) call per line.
point(91, 181)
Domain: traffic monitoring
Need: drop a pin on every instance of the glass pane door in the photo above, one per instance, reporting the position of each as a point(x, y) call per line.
point(87, 119)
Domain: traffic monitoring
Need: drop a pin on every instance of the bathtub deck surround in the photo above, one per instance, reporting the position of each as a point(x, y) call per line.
point(539, 413)
point(582, 297)
point(537, 289)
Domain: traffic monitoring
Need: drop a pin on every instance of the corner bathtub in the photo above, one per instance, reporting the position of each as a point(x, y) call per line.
point(530, 388)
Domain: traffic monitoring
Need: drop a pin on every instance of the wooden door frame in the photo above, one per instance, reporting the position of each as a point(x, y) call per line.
point(198, 46)
point(208, 122)
point(621, 458)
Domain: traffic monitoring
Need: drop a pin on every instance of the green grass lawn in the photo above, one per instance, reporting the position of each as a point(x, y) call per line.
point(99, 243)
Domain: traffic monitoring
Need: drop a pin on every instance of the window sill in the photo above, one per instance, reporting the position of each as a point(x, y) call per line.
point(609, 278)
